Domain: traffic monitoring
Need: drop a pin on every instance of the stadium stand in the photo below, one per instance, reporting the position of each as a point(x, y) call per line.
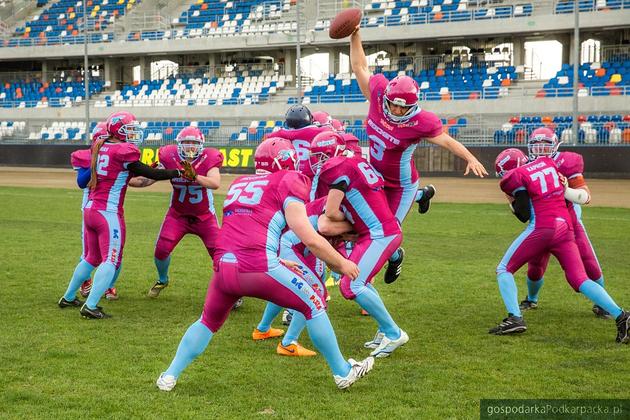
point(12, 129)
point(597, 79)
point(194, 91)
point(61, 22)
point(216, 18)
point(594, 129)
point(445, 82)
point(35, 94)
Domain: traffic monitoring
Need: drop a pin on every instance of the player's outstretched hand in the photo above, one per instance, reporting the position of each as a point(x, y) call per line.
point(350, 269)
point(476, 167)
point(293, 266)
point(189, 172)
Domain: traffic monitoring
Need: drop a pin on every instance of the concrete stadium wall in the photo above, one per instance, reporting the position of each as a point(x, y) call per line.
point(434, 31)
point(600, 161)
point(516, 105)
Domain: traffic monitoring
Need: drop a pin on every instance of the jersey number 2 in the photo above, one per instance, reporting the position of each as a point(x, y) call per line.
point(103, 161)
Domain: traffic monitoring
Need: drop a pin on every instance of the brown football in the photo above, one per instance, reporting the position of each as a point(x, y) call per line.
point(344, 23)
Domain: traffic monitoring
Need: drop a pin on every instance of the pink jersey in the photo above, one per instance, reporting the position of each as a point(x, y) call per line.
point(112, 176)
point(81, 158)
point(392, 145)
point(301, 139)
point(253, 217)
point(188, 197)
point(365, 203)
point(541, 181)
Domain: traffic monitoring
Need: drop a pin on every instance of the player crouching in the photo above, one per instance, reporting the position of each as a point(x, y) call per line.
point(539, 193)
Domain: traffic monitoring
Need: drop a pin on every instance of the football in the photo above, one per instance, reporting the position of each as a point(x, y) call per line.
point(344, 23)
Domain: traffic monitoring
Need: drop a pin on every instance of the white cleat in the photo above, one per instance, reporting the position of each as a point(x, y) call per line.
point(375, 342)
point(357, 371)
point(166, 382)
point(387, 345)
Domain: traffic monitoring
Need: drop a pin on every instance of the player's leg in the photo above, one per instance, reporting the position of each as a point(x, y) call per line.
point(370, 255)
point(110, 238)
point(289, 346)
point(535, 279)
point(172, 231)
point(215, 311)
point(400, 200)
point(591, 263)
point(112, 293)
point(83, 269)
point(86, 286)
point(525, 247)
point(566, 251)
point(423, 198)
point(287, 289)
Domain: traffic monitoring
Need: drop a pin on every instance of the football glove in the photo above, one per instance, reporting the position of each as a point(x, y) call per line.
point(188, 171)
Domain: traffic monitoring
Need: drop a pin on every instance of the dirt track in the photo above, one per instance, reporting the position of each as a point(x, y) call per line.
point(606, 192)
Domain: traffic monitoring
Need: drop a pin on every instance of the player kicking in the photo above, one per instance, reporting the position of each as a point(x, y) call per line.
point(191, 208)
point(80, 161)
point(354, 191)
point(544, 142)
point(112, 162)
point(539, 197)
point(395, 125)
point(256, 210)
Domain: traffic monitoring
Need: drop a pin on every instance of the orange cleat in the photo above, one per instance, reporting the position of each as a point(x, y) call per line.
point(272, 333)
point(85, 288)
point(294, 349)
point(364, 312)
point(111, 294)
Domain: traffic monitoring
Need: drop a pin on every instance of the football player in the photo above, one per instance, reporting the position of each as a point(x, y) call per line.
point(539, 193)
point(544, 142)
point(256, 210)
point(395, 125)
point(113, 160)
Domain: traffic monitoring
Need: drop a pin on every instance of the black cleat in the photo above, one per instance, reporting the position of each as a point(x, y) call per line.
point(510, 325)
point(623, 328)
point(425, 201)
point(394, 268)
point(528, 304)
point(63, 303)
point(97, 313)
point(237, 304)
point(286, 317)
point(601, 312)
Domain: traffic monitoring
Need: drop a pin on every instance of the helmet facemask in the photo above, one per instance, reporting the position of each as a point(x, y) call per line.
point(542, 146)
point(412, 110)
point(189, 148)
point(133, 133)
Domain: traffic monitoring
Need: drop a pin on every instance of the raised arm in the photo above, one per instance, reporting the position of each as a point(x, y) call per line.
point(146, 171)
point(297, 219)
point(458, 149)
point(359, 63)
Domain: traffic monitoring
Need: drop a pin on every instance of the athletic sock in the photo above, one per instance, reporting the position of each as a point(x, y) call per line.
point(509, 293)
point(395, 256)
point(81, 273)
point(600, 281)
point(271, 312)
point(162, 268)
point(323, 337)
point(369, 300)
point(419, 195)
point(600, 297)
point(102, 279)
point(115, 279)
point(193, 343)
point(298, 322)
point(533, 287)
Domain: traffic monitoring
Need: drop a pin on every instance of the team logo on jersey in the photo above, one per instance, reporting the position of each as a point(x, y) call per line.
point(114, 255)
point(116, 236)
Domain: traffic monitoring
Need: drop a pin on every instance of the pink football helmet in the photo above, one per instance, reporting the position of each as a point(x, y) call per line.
point(123, 126)
point(322, 119)
point(275, 154)
point(542, 142)
point(352, 144)
point(190, 143)
point(337, 126)
point(99, 132)
point(401, 91)
point(325, 146)
point(509, 159)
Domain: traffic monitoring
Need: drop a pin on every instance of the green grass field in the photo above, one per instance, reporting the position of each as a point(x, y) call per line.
point(54, 364)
